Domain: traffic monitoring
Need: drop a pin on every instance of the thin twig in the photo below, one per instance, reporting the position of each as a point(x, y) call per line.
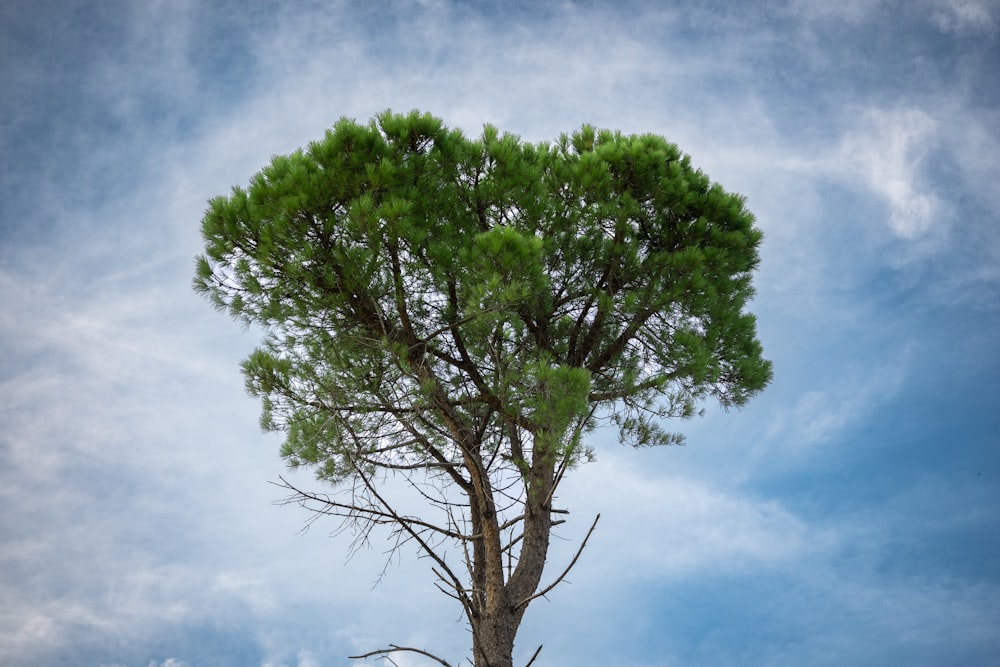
point(354, 511)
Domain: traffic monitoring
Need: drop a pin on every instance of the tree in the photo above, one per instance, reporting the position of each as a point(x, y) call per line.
point(460, 313)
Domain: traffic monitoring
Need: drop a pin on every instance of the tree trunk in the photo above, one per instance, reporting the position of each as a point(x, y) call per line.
point(493, 637)
point(506, 599)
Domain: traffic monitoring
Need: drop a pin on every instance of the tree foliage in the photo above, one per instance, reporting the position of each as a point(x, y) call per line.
point(462, 312)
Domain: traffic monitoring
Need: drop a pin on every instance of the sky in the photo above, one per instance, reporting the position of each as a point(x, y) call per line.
point(849, 515)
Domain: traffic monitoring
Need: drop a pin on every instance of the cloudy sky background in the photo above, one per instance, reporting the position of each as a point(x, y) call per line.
point(849, 516)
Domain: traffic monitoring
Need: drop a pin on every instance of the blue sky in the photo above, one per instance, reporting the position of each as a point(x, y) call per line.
point(850, 515)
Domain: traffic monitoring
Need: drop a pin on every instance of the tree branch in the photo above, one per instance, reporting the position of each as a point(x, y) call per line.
point(569, 567)
point(350, 511)
point(393, 648)
point(407, 527)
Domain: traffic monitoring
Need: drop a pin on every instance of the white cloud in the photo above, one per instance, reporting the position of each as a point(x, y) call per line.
point(307, 659)
point(822, 414)
point(963, 16)
point(886, 154)
point(157, 39)
point(672, 527)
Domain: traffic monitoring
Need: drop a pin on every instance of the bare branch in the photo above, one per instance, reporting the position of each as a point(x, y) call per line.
point(392, 648)
point(515, 540)
point(427, 465)
point(407, 526)
point(569, 567)
point(352, 511)
point(534, 655)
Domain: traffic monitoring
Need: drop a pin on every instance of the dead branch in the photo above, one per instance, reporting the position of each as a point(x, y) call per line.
point(407, 527)
point(569, 567)
point(534, 655)
point(515, 540)
point(392, 648)
point(351, 511)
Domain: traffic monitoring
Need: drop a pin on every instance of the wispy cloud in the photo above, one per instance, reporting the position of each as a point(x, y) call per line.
point(823, 414)
point(887, 154)
point(960, 17)
point(681, 528)
point(851, 10)
point(963, 16)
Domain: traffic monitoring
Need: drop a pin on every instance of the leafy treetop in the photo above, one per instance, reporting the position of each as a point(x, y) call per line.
point(421, 290)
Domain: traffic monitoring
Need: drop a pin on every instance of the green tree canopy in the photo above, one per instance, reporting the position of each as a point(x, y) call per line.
point(462, 312)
